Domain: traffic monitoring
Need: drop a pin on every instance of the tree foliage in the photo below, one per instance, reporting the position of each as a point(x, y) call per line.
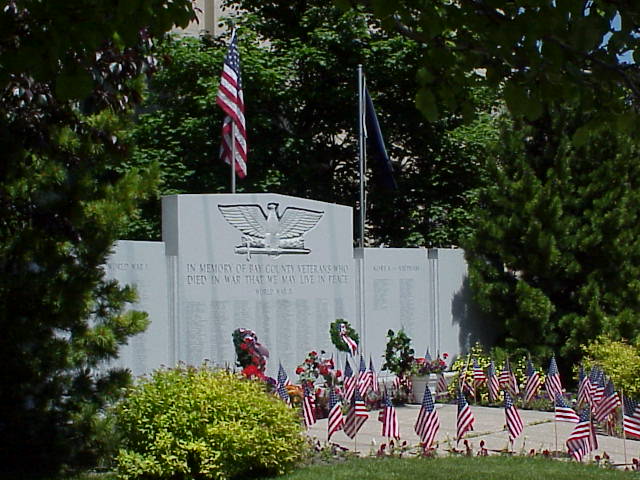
point(69, 73)
point(555, 258)
point(300, 88)
point(540, 51)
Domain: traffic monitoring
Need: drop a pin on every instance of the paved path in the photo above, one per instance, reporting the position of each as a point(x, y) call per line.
point(539, 432)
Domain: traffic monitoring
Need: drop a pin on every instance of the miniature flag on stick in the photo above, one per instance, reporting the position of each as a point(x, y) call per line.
point(478, 373)
point(631, 418)
point(349, 382)
point(514, 421)
point(608, 403)
point(533, 383)
point(563, 412)
point(552, 383)
point(465, 419)
point(308, 407)
point(584, 388)
point(583, 438)
point(365, 381)
point(374, 377)
point(389, 418)
point(442, 389)
point(335, 421)
point(356, 415)
point(281, 385)
point(494, 383)
point(428, 423)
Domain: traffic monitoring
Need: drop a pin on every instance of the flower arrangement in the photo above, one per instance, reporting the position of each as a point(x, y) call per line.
point(398, 354)
point(424, 366)
point(252, 355)
point(315, 366)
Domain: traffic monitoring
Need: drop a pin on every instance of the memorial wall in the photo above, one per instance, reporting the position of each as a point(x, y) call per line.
point(284, 267)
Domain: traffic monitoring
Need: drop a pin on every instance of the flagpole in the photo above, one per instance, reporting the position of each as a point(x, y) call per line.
point(624, 434)
point(233, 156)
point(361, 152)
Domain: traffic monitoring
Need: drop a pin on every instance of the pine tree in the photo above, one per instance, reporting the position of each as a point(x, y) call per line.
point(555, 257)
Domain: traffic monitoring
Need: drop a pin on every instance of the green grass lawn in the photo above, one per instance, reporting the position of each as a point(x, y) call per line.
point(452, 468)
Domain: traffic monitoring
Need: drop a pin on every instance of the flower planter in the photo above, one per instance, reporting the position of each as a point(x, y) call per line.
point(420, 382)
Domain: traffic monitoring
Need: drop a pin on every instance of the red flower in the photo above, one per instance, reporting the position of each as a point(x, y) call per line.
point(445, 355)
point(323, 370)
point(313, 354)
point(244, 346)
point(299, 370)
point(338, 373)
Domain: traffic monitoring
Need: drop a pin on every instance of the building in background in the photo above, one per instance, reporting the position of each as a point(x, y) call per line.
point(208, 14)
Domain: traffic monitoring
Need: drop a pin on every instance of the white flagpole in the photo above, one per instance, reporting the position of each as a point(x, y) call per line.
point(233, 156)
point(361, 153)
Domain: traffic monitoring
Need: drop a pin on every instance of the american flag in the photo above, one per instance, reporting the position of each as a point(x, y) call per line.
point(631, 418)
point(583, 438)
point(281, 384)
point(335, 421)
point(308, 407)
point(427, 356)
point(508, 380)
point(563, 412)
point(356, 415)
point(514, 422)
point(389, 419)
point(533, 382)
point(231, 101)
point(374, 377)
point(608, 403)
point(478, 373)
point(442, 389)
point(351, 343)
point(465, 419)
point(552, 383)
point(584, 388)
point(349, 381)
point(428, 423)
point(597, 388)
point(365, 381)
point(467, 382)
point(494, 384)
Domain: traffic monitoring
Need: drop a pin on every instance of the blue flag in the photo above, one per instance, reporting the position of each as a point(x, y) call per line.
point(376, 143)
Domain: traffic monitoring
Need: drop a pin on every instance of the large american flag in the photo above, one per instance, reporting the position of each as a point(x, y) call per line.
point(533, 382)
point(584, 388)
point(563, 412)
point(335, 421)
point(552, 384)
point(494, 384)
point(365, 380)
point(231, 101)
point(389, 419)
point(427, 423)
point(583, 438)
point(631, 418)
point(281, 384)
point(356, 415)
point(349, 381)
point(308, 407)
point(608, 403)
point(465, 419)
point(514, 421)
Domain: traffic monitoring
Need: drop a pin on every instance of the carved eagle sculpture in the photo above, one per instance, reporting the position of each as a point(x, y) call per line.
point(271, 230)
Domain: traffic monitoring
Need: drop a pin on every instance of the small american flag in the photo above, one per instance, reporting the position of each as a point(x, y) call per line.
point(442, 390)
point(608, 403)
point(597, 389)
point(335, 421)
point(281, 385)
point(533, 382)
point(356, 415)
point(349, 381)
point(552, 383)
point(351, 343)
point(494, 384)
point(584, 388)
point(465, 419)
point(563, 412)
point(428, 423)
point(308, 407)
point(631, 418)
point(374, 377)
point(467, 382)
point(478, 373)
point(365, 381)
point(427, 356)
point(583, 438)
point(231, 101)
point(514, 422)
point(389, 419)
point(508, 380)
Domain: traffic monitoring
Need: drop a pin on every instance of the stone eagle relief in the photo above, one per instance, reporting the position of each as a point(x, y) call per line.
point(272, 233)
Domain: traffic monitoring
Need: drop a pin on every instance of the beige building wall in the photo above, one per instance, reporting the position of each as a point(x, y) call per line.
point(208, 14)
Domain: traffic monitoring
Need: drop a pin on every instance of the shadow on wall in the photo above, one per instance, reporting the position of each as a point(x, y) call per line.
point(475, 325)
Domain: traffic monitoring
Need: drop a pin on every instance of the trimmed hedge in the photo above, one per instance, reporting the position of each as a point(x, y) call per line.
point(191, 422)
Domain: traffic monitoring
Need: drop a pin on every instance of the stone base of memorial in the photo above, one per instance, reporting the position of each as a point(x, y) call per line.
point(420, 382)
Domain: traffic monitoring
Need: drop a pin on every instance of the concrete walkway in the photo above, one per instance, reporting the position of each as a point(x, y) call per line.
point(540, 433)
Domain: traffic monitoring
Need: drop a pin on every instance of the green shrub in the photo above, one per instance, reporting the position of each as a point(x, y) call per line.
point(189, 423)
point(620, 362)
